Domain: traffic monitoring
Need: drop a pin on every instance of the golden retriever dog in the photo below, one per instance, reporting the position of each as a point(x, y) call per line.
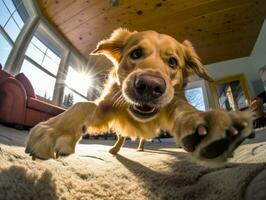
point(145, 92)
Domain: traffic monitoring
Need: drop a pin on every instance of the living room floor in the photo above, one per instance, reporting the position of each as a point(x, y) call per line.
point(162, 171)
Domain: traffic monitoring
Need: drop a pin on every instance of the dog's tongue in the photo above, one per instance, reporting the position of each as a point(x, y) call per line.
point(143, 110)
point(145, 107)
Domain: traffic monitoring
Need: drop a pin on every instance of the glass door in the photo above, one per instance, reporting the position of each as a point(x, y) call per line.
point(231, 93)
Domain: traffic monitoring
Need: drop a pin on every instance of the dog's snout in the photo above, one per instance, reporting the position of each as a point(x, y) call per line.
point(149, 85)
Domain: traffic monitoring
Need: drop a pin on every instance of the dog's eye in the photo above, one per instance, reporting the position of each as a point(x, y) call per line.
point(136, 54)
point(172, 62)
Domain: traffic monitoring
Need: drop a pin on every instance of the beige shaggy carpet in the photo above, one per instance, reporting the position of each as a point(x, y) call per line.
point(161, 172)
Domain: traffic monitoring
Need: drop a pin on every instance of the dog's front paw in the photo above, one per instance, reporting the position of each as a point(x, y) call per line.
point(213, 135)
point(45, 141)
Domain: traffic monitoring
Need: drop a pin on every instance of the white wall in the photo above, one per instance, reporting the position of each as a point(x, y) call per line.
point(258, 54)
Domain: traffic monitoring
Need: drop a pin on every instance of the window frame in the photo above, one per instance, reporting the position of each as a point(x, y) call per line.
point(39, 66)
point(28, 58)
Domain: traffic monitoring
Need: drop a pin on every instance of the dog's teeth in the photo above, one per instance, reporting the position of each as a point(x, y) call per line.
point(142, 111)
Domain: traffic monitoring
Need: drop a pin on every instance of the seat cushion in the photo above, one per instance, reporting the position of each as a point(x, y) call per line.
point(27, 84)
point(42, 106)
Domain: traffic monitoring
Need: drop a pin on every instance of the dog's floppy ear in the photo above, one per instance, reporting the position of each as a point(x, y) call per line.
point(193, 62)
point(113, 46)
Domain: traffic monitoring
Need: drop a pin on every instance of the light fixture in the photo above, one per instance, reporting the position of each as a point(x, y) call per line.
point(113, 3)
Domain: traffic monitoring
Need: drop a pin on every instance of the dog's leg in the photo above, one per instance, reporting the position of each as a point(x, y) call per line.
point(211, 135)
point(58, 135)
point(141, 145)
point(119, 143)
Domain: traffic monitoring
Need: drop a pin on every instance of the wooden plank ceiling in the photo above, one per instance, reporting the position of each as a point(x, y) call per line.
point(219, 29)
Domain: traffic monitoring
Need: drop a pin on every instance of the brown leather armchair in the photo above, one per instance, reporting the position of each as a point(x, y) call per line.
point(19, 105)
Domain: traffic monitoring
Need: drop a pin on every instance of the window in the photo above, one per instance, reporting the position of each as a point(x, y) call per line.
point(78, 81)
point(13, 17)
point(77, 85)
point(43, 83)
point(196, 95)
point(41, 65)
point(195, 98)
point(43, 56)
point(71, 97)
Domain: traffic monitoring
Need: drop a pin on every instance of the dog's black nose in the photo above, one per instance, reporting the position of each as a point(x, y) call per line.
point(150, 86)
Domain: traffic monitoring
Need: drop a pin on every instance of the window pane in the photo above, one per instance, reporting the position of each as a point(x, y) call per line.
point(34, 53)
point(21, 9)
point(71, 98)
point(50, 65)
point(42, 83)
point(4, 14)
point(53, 56)
point(4, 50)
point(10, 5)
point(12, 29)
point(39, 44)
point(51, 62)
point(78, 81)
point(195, 98)
point(18, 20)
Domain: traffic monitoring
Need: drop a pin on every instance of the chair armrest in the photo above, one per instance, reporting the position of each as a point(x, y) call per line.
point(12, 101)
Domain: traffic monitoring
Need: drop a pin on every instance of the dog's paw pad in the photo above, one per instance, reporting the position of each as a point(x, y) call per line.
point(215, 149)
point(61, 154)
point(190, 142)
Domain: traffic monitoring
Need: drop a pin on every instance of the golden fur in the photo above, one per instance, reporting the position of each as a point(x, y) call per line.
point(59, 135)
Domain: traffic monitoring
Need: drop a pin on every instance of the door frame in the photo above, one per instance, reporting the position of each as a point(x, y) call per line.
point(238, 77)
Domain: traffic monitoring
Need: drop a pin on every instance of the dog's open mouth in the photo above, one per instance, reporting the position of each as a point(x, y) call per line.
point(143, 110)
